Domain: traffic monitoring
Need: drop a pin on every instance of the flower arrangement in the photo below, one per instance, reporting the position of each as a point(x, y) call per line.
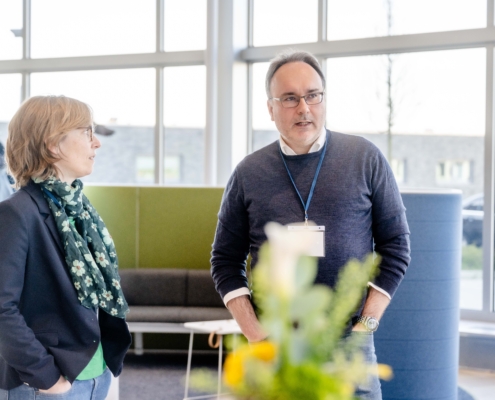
point(305, 355)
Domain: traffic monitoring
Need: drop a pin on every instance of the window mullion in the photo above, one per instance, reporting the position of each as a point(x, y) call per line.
point(160, 26)
point(488, 233)
point(210, 138)
point(250, 109)
point(26, 22)
point(322, 20)
point(250, 22)
point(490, 12)
point(159, 130)
point(26, 48)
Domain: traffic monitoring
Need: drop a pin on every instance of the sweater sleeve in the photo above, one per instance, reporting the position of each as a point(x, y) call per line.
point(18, 345)
point(390, 228)
point(231, 245)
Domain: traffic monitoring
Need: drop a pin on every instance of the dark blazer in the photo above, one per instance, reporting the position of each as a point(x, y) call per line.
point(45, 332)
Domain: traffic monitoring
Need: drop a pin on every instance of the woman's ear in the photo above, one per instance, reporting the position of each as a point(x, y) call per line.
point(54, 150)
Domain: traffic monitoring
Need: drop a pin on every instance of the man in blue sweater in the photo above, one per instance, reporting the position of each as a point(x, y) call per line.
point(341, 182)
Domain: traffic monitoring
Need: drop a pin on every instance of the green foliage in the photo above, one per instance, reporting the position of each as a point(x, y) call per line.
point(308, 326)
point(350, 290)
point(305, 356)
point(472, 257)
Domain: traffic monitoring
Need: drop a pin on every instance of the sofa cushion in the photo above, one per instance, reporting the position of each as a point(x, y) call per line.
point(201, 290)
point(176, 314)
point(154, 287)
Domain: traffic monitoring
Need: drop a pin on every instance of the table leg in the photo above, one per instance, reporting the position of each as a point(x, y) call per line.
point(189, 357)
point(138, 343)
point(220, 351)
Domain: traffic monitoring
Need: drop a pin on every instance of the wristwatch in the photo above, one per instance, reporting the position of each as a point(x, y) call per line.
point(370, 323)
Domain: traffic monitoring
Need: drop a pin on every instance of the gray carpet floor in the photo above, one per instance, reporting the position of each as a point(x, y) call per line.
point(159, 376)
point(162, 376)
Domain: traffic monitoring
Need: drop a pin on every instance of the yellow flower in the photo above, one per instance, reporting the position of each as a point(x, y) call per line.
point(346, 390)
point(385, 372)
point(233, 370)
point(234, 363)
point(264, 351)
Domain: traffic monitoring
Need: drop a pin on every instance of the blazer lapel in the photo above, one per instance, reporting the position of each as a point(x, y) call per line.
point(34, 191)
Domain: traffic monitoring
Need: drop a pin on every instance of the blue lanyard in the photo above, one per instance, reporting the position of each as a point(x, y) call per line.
point(311, 191)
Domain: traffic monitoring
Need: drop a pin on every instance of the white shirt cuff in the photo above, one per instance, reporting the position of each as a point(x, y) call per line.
point(236, 293)
point(376, 288)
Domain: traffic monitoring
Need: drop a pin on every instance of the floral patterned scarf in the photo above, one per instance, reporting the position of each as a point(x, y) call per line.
point(89, 248)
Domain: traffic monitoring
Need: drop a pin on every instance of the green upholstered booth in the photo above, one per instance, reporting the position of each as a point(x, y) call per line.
point(159, 227)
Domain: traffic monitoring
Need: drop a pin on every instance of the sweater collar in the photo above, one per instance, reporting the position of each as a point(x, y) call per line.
point(317, 145)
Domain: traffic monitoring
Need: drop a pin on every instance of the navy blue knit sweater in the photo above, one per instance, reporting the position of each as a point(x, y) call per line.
point(356, 198)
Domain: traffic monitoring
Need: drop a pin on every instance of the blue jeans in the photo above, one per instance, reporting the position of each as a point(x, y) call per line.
point(372, 389)
point(91, 389)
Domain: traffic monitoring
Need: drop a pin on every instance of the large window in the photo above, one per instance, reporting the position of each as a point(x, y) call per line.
point(127, 110)
point(63, 28)
point(10, 98)
point(184, 120)
point(367, 18)
point(284, 22)
point(426, 112)
point(185, 25)
point(132, 90)
point(264, 130)
point(10, 29)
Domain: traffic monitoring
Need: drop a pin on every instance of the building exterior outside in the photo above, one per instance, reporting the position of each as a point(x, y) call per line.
point(419, 161)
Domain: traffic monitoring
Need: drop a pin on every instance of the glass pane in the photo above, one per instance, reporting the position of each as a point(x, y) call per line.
point(10, 29)
point(368, 18)
point(185, 25)
point(264, 129)
point(123, 101)
point(426, 112)
point(62, 28)
point(184, 120)
point(10, 99)
point(284, 21)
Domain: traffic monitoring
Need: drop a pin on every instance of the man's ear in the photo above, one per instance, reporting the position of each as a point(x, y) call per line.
point(269, 104)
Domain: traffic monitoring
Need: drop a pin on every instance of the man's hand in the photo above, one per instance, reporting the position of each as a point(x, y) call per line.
point(359, 327)
point(242, 310)
point(62, 386)
point(375, 306)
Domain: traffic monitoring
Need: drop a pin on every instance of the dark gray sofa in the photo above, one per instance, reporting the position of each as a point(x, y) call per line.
point(162, 300)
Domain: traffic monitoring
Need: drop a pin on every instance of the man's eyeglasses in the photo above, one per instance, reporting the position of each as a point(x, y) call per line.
point(89, 131)
point(292, 100)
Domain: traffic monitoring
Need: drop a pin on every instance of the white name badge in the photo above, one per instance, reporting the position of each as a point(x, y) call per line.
point(318, 238)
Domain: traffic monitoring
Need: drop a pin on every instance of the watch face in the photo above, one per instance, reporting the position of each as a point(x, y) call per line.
point(372, 324)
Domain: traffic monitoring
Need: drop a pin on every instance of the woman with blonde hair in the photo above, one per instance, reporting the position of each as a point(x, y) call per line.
point(62, 311)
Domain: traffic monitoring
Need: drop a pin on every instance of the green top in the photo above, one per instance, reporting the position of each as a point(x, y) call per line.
point(95, 367)
point(97, 364)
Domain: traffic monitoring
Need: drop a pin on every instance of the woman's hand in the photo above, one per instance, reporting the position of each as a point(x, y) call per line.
point(62, 386)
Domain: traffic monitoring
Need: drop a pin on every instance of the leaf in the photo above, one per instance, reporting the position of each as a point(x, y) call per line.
point(306, 270)
point(310, 303)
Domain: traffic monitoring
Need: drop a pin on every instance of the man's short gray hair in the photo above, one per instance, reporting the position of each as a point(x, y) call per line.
point(289, 56)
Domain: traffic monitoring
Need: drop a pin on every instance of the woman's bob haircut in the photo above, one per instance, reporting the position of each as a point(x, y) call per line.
point(40, 123)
